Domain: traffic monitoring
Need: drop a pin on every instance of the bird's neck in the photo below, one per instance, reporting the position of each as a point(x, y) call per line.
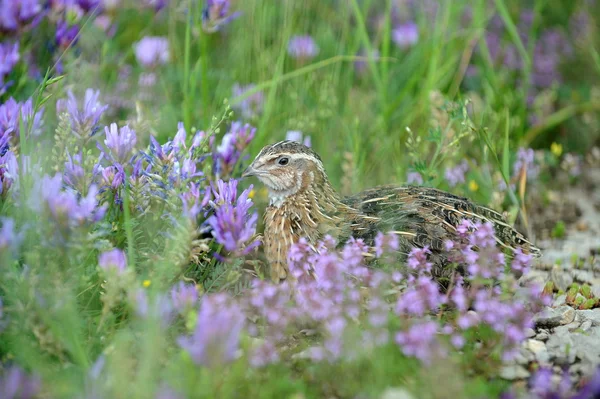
point(313, 191)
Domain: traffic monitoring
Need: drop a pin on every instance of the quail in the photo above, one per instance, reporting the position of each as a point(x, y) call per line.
point(302, 203)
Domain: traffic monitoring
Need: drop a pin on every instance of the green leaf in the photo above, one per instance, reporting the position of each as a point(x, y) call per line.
point(55, 79)
point(44, 100)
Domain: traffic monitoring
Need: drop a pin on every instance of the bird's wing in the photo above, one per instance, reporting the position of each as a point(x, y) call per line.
point(426, 216)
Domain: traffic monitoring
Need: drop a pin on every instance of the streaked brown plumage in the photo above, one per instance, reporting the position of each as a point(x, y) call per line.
point(304, 204)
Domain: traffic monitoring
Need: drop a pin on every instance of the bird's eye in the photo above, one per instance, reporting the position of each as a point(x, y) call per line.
point(283, 161)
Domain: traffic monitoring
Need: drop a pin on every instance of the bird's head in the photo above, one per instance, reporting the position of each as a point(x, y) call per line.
point(287, 168)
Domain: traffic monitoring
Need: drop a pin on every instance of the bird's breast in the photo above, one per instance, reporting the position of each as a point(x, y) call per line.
point(284, 226)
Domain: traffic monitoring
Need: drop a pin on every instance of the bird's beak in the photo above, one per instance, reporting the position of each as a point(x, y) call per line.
point(250, 171)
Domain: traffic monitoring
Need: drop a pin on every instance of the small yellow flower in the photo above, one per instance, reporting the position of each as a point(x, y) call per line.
point(146, 283)
point(251, 194)
point(556, 149)
point(473, 186)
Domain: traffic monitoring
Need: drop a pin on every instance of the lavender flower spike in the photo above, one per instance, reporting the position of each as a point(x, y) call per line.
point(405, 35)
point(250, 106)
point(152, 51)
point(84, 120)
point(113, 260)
point(9, 56)
point(184, 296)
point(16, 384)
point(215, 15)
point(120, 141)
point(9, 169)
point(303, 47)
point(456, 175)
point(232, 226)
point(216, 338)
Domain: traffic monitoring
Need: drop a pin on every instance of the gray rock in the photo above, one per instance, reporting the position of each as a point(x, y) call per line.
point(537, 277)
point(561, 330)
point(561, 278)
point(596, 287)
point(586, 325)
point(560, 347)
point(554, 317)
point(530, 333)
point(538, 348)
point(514, 372)
point(567, 314)
point(586, 346)
point(583, 276)
point(396, 393)
point(559, 300)
point(573, 326)
point(543, 335)
point(524, 357)
point(591, 314)
point(547, 318)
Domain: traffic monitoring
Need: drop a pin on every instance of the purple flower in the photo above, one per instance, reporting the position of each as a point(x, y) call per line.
point(158, 307)
point(152, 51)
point(9, 168)
point(541, 382)
point(74, 173)
point(302, 47)
point(243, 133)
point(225, 192)
point(591, 389)
point(193, 203)
point(525, 160)
point(156, 4)
point(113, 176)
point(120, 142)
point(113, 260)
point(11, 112)
point(215, 15)
point(16, 384)
point(483, 235)
point(29, 118)
point(9, 56)
point(184, 296)
point(572, 164)
point(419, 341)
point(84, 120)
point(216, 338)
point(420, 298)
point(233, 227)
point(252, 105)
point(15, 13)
point(549, 50)
point(66, 34)
point(414, 178)
point(296, 135)
point(180, 137)
point(264, 354)
point(456, 175)
point(89, 5)
point(64, 206)
point(9, 238)
point(521, 262)
point(417, 260)
point(405, 35)
point(386, 243)
point(234, 142)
